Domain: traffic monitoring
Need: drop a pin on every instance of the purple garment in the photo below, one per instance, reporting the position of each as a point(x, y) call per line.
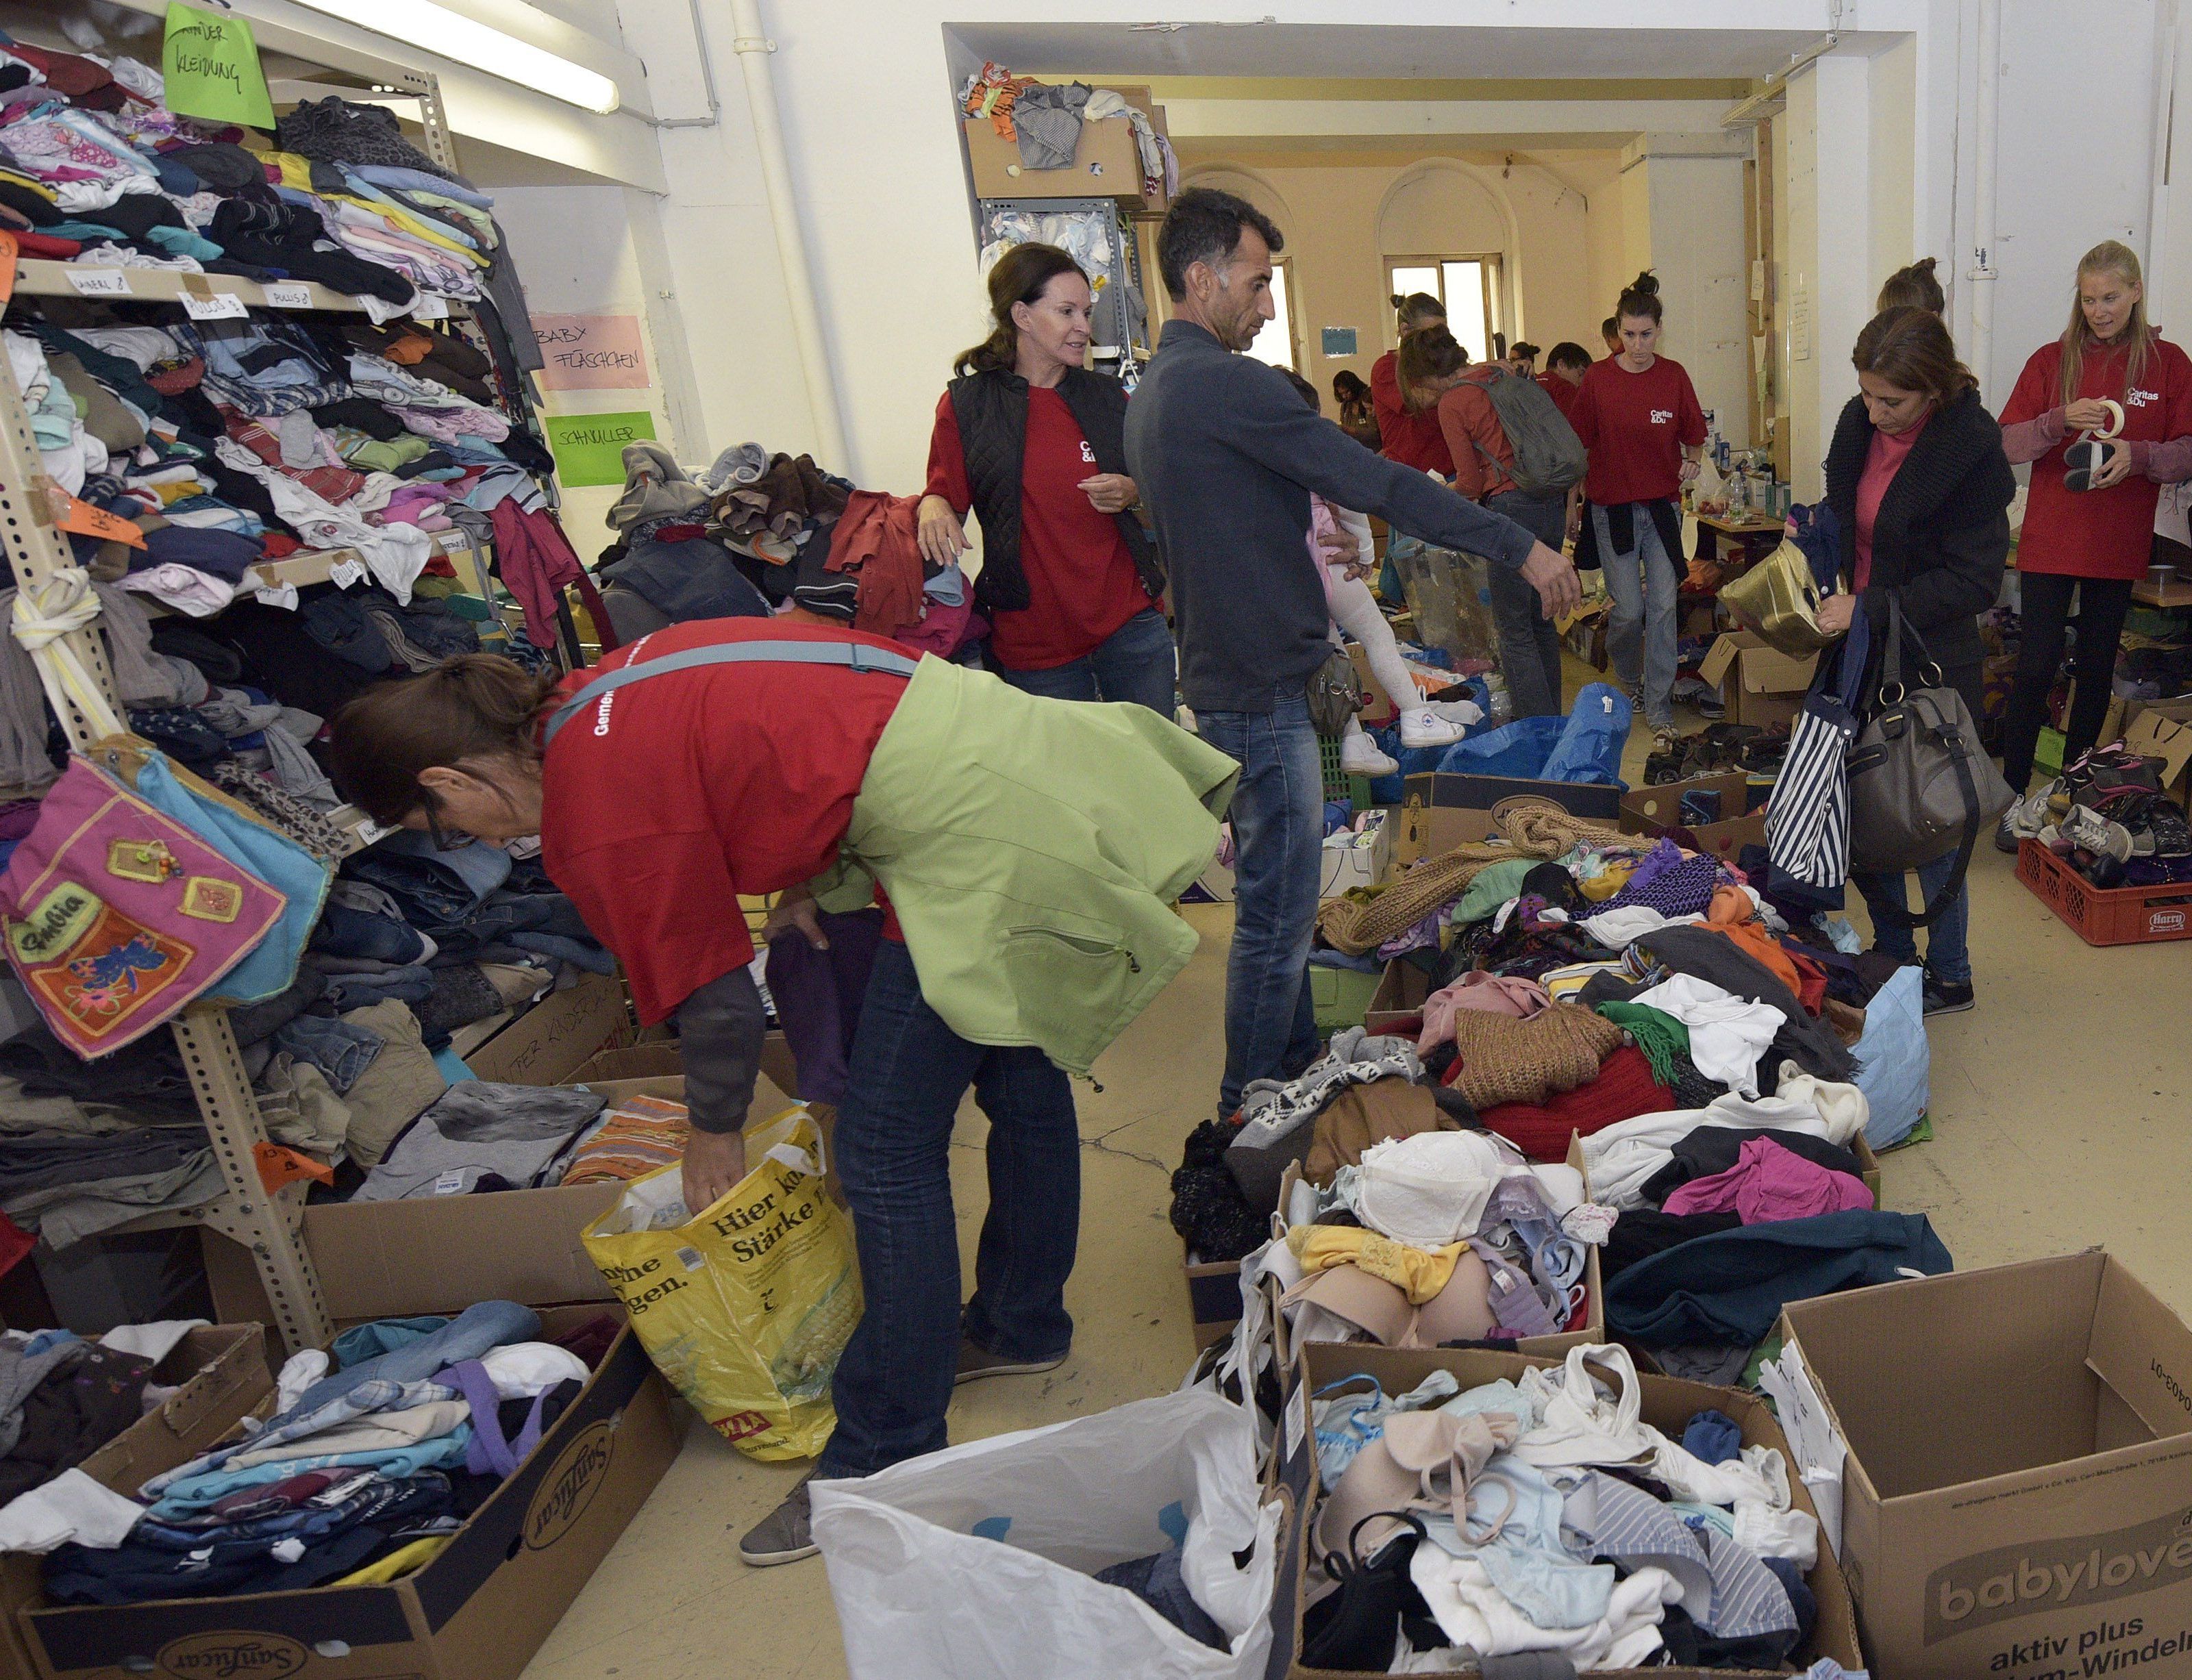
point(1683, 887)
point(1425, 935)
point(18, 819)
point(487, 1454)
point(1768, 1183)
point(818, 996)
point(218, 554)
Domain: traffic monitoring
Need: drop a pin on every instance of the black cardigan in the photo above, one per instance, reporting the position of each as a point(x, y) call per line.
point(991, 411)
point(1943, 533)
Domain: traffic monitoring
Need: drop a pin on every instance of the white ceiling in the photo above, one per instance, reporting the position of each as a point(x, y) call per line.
point(1331, 50)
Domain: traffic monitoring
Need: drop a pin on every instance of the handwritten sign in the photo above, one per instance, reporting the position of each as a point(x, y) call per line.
point(589, 448)
point(215, 306)
point(80, 516)
point(9, 252)
point(288, 294)
point(90, 280)
point(591, 352)
point(211, 64)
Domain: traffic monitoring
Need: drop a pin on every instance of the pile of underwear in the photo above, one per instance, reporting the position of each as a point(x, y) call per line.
point(368, 1461)
point(1539, 1526)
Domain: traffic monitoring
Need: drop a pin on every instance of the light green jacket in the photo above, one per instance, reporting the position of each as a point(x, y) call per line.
point(1032, 850)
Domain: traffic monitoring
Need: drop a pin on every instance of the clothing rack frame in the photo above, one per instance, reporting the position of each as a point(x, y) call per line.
point(267, 1224)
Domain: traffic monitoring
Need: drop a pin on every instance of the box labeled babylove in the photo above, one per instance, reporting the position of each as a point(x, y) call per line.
point(2017, 1493)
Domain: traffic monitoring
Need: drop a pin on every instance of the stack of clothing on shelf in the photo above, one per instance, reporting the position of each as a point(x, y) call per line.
point(368, 1463)
point(1045, 122)
point(756, 530)
point(1538, 1526)
point(62, 1398)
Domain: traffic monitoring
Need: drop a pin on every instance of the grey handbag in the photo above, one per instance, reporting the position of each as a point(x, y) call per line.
point(1335, 695)
point(1921, 786)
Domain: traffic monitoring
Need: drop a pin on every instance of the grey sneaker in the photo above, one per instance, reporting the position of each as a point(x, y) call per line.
point(977, 1363)
point(2005, 833)
point(786, 1535)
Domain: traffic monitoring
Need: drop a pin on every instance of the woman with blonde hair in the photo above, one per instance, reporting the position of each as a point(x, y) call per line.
point(2089, 518)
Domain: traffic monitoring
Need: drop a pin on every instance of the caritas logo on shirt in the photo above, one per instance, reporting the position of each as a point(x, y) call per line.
point(2135, 398)
point(1661, 416)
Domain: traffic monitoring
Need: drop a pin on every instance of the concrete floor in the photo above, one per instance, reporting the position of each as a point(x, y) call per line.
point(2058, 1104)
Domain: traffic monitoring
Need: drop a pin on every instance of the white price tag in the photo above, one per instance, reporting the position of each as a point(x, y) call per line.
point(288, 294)
point(369, 831)
point(221, 306)
point(1296, 1419)
point(691, 1259)
point(450, 1183)
point(98, 283)
point(429, 307)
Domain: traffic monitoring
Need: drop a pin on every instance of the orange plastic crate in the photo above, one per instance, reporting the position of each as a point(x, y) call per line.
point(2122, 915)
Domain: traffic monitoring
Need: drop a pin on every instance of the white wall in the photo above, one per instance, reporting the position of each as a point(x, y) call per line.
point(1694, 203)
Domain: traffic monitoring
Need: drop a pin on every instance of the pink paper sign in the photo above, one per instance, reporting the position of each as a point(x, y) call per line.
point(591, 352)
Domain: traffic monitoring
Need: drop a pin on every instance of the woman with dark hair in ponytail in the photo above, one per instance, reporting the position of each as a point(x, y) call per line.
point(1409, 427)
point(1638, 415)
point(1035, 444)
point(1029, 851)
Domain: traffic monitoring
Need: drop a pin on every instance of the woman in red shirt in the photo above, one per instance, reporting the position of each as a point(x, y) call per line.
point(1409, 423)
point(1035, 444)
point(2096, 542)
point(1637, 414)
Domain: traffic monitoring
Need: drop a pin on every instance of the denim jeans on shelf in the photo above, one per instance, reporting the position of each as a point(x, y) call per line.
point(347, 992)
point(894, 1144)
point(345, 932)
point(1278, 844)
point(1639, 636)
point(1529, 646)
point(1135, 662)
point(1947, 947)
point(339, 1050)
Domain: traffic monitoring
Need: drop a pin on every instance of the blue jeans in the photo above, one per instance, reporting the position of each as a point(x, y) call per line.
point(1134, 663)
point(1641, 633)
point(1948, 948)
point(1529, 645)
point(1278, 842)
point(907, 1073)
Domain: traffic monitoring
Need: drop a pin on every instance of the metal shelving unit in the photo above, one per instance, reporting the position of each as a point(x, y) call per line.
point(266, 1223)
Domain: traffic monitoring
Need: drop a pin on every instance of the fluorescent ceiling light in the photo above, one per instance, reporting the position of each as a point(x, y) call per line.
point(455, 36)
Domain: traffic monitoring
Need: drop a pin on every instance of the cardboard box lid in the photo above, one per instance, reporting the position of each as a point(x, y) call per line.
point(2156, 735)
point(1660, 806)
point(1759, 668)
point(2024, 1368)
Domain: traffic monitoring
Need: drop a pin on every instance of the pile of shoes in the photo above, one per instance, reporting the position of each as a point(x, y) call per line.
point(1720, 747)
point(2108, 818)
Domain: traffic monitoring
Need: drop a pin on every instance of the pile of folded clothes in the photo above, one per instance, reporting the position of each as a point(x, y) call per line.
point(1044, 120)
point(1538, 1526)
point(755, 530)
point(368, 1461)
point(2107, 818)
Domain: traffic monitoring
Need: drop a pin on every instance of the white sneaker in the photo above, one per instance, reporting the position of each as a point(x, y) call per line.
point(1466, 713)
point(1422, 727)
point(1359, 755)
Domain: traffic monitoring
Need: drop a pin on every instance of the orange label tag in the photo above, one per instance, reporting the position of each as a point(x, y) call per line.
point(10, 250)
point(72, 514)
point(278, 1166)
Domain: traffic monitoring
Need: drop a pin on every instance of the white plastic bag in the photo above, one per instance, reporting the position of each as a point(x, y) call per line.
point(977, 1562)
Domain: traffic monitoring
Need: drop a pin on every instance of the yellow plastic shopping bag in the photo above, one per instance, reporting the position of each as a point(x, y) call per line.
point(745, 1307)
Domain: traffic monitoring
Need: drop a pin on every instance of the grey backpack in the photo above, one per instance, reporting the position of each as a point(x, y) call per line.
point(1549, 457)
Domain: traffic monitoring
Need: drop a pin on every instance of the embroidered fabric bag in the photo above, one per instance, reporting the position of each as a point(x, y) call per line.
point(117, 916)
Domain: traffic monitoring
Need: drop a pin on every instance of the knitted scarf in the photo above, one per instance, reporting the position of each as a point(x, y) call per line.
point(1659, 1034)
point(1507, 1061)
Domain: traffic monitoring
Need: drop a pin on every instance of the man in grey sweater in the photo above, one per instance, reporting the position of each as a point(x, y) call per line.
point(1226, 455)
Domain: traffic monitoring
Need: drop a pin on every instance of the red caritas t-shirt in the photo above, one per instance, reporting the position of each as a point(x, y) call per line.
point(1081, 582)
point(1414, 440)
point(2097, 533)
point(666, 798)
point(1635, 426)
point(1562, 393)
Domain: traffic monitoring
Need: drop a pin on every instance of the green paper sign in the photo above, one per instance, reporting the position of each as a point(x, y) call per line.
point(211, 65)
point(589, 448)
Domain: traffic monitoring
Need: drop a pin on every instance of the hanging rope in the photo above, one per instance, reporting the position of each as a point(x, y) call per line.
point(1533, 827)
point(44, 614)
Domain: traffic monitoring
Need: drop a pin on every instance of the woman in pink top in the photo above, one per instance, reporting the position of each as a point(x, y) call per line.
point(1920, 488)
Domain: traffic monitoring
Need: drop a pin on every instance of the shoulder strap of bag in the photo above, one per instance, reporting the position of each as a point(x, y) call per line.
point(857, 656)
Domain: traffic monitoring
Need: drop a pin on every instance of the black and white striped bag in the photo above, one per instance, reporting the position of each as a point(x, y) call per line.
point(1808, 819)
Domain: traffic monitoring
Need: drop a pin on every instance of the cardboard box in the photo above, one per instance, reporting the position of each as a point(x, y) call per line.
point(219, 1373)
point(1106, 162)
point(1760, 685)
point(1667, 1404)
point(1442, 810)
point(440, 1254)
point(478, 1611)
point(1399, 997)
point(2162, 729)
point(665, 1059)
point(543, 1046)
point(1214, 1296)
point(1350, 860)
point(1653, 811)
point(2018, 1469)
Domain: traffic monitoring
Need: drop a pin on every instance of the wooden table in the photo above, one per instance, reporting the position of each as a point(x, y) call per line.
point(2148, 593)
point(1751, 537)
